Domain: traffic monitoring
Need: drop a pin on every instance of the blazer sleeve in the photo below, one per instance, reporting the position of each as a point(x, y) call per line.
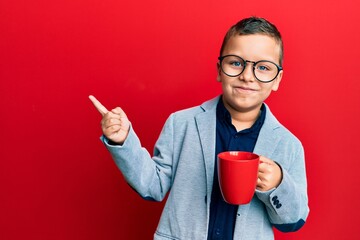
point(287, 205)
point(149, 176)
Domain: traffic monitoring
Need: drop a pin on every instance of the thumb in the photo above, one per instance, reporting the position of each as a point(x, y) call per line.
point(102, 110)
point(265, 160)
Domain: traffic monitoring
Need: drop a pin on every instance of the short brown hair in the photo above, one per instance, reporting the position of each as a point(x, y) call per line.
point(255, 25)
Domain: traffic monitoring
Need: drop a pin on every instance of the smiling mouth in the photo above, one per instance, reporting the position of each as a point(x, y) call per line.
point(245, 89)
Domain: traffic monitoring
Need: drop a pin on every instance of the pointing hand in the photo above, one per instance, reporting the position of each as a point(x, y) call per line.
point(114, 124)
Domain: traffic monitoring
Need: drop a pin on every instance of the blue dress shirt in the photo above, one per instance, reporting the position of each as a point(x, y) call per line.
point(222, 214)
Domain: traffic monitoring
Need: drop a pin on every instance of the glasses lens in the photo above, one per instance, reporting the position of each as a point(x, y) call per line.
point(265, 71)
point(232, 65)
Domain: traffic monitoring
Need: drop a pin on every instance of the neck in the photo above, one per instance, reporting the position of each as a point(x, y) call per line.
point(243, 119)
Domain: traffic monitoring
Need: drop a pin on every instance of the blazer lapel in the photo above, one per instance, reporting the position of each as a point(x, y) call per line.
point(267, 139)
point(206, 125)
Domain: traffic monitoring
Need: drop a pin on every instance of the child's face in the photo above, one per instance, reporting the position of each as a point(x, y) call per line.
point(245, 92)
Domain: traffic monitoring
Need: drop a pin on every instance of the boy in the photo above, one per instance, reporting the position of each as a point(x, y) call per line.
point(184, 159)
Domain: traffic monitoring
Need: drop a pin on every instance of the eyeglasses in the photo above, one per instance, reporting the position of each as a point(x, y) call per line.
point(264, 71)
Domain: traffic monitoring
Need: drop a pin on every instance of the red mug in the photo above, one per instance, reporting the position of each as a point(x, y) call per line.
point(238, 173)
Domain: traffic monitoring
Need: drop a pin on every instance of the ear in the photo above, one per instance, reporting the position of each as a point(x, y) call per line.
point(277, 81)
point(218, 78)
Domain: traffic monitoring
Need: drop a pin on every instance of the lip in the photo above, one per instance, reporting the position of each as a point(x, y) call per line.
point(244, 89)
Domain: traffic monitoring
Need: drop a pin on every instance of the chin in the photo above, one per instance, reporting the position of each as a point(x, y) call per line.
point(244, 106)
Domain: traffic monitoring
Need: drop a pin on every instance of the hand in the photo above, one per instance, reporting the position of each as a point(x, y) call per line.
point(269, 176)
point(114, 124)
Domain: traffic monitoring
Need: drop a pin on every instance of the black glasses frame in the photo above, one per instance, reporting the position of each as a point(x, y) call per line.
point(254, 64)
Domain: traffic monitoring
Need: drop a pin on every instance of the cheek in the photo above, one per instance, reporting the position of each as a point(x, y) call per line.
point(275, 86)
point(277, 81)
point(226, 85)
point(225, 81)
point(266, 91)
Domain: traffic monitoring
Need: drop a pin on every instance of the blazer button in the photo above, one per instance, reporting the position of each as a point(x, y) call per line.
point(274, 198)
point(276, 202)
point(278, 205)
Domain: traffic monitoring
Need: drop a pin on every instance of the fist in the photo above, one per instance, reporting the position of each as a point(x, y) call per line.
point(269, 176)
point(114, 124)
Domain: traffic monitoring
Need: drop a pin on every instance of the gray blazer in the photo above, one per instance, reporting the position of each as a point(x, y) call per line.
point(183, 161)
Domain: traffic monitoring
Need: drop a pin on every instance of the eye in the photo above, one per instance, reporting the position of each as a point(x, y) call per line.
point(236, 63)
point(263, 68)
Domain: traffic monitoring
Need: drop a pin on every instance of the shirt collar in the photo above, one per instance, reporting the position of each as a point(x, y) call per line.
point(223, 114)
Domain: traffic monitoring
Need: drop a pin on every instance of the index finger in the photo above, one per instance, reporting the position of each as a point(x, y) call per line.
point(102, 110)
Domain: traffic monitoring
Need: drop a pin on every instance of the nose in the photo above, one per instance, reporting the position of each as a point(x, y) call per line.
point(248, 74)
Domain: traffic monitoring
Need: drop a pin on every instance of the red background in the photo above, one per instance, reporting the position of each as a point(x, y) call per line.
point(57, 181)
